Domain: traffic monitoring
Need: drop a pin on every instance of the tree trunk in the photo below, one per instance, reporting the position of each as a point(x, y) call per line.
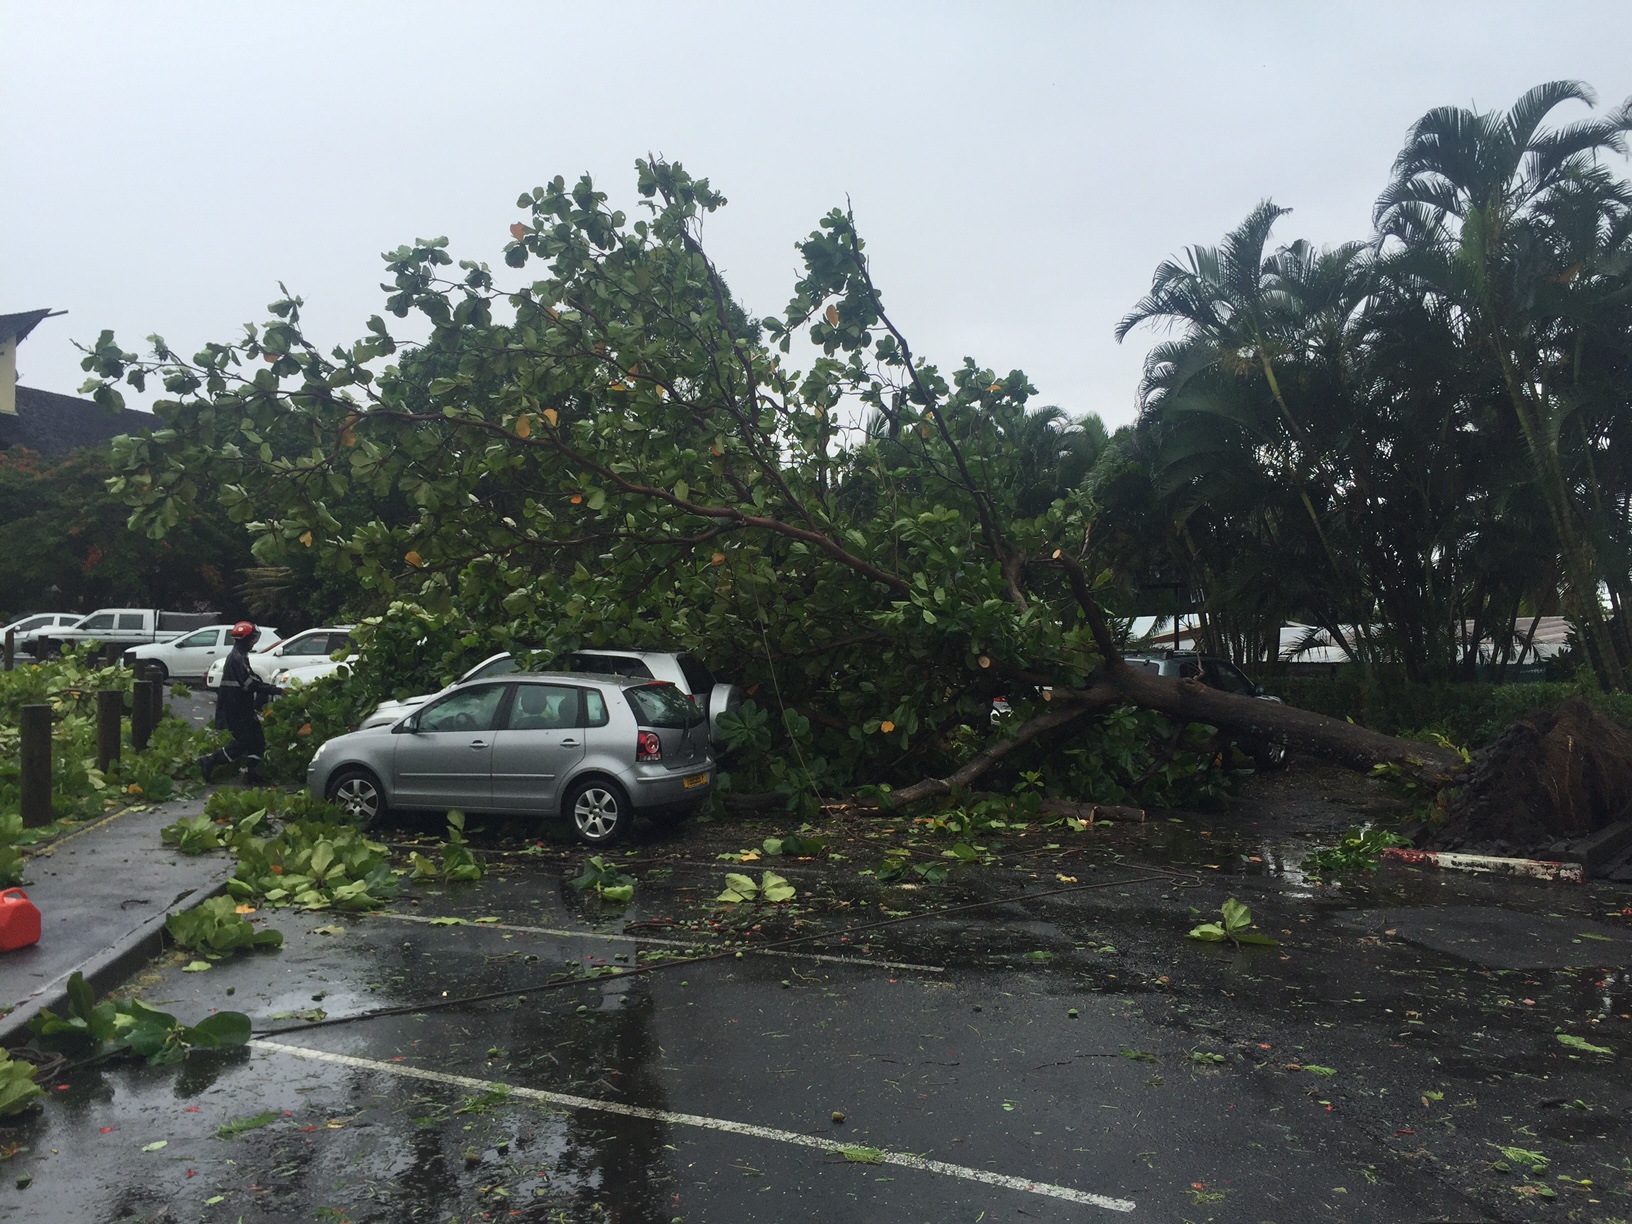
point(1341, 742)
point(1332, 739)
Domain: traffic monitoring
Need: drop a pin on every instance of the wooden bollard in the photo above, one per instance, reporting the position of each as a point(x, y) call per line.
point(141, 713)
point(110, 713)
point(36, 766)
point(11, 649)
point(155, 712)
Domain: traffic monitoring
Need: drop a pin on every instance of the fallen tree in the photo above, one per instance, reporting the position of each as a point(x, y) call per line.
point(612, 453)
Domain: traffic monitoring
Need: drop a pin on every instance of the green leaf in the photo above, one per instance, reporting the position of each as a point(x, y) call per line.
point(774, 888)
point(238, 1126)
point(1580, 1043)
point(862, 1155)
point(227, 1028)
point(738, 888)
point(18, 1091)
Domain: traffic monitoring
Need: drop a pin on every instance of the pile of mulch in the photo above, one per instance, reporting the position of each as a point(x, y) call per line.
point(1551, 776)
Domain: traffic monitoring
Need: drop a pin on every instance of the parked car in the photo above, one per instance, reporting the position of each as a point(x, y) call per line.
point(1225, 676)
point(124, 627)
point(304, 667)
point(599, 750)
point(388, 712)
point(190, 657)
point(37, 624)
point(685, 671)
point(313, 646)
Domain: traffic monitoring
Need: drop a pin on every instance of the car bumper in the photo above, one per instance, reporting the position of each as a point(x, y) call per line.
point(667, 789)
point(317, 776)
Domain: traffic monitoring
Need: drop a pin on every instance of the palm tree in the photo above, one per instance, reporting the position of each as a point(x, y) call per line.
point(1506, 221)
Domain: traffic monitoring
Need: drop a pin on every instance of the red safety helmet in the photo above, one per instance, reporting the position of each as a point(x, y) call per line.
point(242, 630)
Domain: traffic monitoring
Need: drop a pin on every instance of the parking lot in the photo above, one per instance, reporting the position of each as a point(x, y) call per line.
point(1026, 1057)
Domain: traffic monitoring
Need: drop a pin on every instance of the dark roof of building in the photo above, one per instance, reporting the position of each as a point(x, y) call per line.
point(17, 326)
point(53, 424)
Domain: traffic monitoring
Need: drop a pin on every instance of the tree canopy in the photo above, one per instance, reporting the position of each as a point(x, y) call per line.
point(1407, 440)
point(1411, 440)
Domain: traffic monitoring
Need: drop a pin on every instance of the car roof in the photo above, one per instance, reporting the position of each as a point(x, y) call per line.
point(626, 654)
point(577, 678)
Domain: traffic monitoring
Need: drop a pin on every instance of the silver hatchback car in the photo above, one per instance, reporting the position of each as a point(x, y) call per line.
point(597, 749)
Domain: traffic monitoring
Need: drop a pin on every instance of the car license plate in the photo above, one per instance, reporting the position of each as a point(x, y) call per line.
point(694, 780)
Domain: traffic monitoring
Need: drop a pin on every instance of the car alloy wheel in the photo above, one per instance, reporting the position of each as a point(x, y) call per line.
point(360, 798)
point(597, 813)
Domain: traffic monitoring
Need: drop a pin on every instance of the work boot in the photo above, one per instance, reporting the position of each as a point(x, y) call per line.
point(203, 766)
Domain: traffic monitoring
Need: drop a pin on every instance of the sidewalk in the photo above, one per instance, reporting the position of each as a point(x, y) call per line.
point(104, 892)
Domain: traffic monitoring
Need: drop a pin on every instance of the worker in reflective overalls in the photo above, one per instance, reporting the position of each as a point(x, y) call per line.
point(238, 705)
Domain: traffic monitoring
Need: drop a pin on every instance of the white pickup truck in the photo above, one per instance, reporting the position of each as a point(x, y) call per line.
point(126, 627)
point(189, 657)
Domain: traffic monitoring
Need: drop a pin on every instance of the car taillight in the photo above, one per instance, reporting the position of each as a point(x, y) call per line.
point(648, 747)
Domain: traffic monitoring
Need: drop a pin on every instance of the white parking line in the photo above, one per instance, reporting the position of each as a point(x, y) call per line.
point(746, 949)
point(905, 1160)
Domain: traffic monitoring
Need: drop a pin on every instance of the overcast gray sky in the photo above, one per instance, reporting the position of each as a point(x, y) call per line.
point(1017, 169)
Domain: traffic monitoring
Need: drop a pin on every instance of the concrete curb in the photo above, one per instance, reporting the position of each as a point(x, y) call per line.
point(108, 968)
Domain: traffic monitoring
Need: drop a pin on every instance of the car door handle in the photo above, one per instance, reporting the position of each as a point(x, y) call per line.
point(569, 743)
point(478, 745)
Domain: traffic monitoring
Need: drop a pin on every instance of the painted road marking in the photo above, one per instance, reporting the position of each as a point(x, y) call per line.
point(905, 1160)
point(747, 949)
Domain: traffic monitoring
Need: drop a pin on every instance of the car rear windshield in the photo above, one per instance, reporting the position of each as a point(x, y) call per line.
point(698, 678)
point(609, 665)
point(663, 705)
point(498, 667)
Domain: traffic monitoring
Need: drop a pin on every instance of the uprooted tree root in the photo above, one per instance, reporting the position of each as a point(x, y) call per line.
point(1553, 774)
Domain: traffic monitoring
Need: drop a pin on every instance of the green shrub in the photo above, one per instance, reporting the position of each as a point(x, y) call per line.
point(303, 718)
point(116, 1026)
point(315, 865)
point(1472, 715)
point(11, 858)
point(79, 791)
point(216, 929)
point(18, 1090)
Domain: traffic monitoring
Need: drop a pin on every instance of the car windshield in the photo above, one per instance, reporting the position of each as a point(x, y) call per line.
point(1228, 677)
point(663, 705)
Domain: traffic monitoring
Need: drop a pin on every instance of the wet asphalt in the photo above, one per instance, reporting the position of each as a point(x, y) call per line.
point(1372, 1066)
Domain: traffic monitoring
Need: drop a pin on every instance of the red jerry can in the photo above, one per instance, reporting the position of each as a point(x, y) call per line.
point(19, 920)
